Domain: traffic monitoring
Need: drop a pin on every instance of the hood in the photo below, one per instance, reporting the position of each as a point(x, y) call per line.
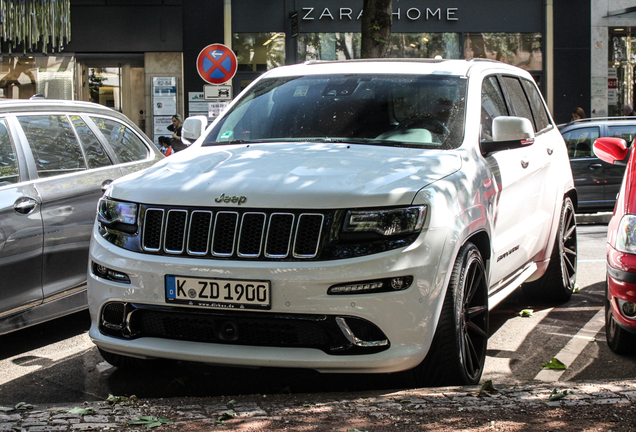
point(288, 175)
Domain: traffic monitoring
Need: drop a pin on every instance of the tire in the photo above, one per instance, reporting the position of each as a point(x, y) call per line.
point(128, 363)
point(458, 350)
point(618, 339)
point(557, 283)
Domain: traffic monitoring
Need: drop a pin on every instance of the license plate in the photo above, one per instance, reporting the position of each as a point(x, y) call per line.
point(218, 293)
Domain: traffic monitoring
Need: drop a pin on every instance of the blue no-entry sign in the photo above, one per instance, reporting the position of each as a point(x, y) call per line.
point(216, 64)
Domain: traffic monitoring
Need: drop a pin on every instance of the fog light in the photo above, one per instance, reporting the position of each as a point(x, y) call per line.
point(100, 270)
point(381, 285)
point(110, 274)
point(627, 308)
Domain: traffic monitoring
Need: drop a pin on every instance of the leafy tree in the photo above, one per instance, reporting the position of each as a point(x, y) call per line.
point(376, 28)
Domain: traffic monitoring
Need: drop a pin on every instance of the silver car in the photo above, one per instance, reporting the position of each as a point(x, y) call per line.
point(56, 157)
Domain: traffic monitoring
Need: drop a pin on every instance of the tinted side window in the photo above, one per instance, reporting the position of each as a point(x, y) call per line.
point(541, 117)
point(53, 143)
point(126, 145)
point(8, 158)
point(492, 105)
point(520, 105)
point(627, 132)
point(95, 154)
point(579, 141)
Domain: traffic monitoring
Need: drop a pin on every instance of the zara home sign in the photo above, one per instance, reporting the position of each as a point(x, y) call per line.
point(310, 13)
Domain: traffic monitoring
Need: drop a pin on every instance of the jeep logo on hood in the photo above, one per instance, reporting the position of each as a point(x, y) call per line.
point(231, 199)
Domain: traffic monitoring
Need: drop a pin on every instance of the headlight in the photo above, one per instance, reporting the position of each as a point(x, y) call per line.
point(626, 235)
point(387, 222)
point(110, 212)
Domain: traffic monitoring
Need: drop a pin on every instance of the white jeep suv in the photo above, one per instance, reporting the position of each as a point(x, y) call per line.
point(359, 216)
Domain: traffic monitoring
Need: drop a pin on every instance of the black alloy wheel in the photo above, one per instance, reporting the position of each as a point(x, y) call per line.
point(458, 351)
point(558, 282)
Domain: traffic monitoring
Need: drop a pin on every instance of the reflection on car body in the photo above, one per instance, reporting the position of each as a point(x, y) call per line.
point(55, 159)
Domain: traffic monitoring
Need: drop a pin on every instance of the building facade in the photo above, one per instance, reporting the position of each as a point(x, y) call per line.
point(119, 49)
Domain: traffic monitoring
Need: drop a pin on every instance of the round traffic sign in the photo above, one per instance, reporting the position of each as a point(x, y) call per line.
point(216, 64)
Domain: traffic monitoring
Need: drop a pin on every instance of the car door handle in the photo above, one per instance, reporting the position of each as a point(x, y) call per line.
point(525, 163)
point(595, 166)
point(105, 185)
point(25, 205)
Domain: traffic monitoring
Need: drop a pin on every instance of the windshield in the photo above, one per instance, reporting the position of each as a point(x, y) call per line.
point(424, 111)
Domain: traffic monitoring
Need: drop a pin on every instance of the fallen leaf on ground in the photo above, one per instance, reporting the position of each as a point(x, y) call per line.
point(80, 411)
point(557, 395)
point(555, 363)
point(151, 421)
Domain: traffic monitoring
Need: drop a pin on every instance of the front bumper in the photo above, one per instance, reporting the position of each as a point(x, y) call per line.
point(621, 284)
point(406, 318)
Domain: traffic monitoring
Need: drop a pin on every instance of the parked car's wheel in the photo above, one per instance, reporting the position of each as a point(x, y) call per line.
point(618, 339)
point(557, 283)
point(458, 350)
point(127, 363)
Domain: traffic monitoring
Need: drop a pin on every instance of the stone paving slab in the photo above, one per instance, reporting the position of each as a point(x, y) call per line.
point(214, 411)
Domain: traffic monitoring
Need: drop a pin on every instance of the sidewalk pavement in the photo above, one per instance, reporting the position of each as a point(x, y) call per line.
point(400, 410)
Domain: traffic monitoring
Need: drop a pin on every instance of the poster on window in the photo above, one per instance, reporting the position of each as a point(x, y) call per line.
point(216, 108)
point(164, 96)
point(161, 124)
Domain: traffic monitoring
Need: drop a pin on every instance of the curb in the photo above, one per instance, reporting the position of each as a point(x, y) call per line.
point(593, 218)
point(242, 411)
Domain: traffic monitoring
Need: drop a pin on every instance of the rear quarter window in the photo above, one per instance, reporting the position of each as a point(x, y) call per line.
point(539, 111)
point(128, 147)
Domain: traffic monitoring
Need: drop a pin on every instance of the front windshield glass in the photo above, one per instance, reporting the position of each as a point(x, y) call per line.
point(424, 111)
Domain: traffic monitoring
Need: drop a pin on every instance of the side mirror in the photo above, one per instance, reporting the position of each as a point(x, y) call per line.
point(193, 127)
point(611, 150)
point(509, 133)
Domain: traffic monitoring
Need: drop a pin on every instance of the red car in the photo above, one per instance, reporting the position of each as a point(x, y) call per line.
point(620, 293)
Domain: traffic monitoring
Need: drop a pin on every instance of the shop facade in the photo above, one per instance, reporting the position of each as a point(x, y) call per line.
point(118, 48)
point(613, 57)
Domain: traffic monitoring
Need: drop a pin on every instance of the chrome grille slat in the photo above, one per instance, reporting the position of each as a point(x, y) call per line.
point(308, 233)
point(251, 234)
point(151, 240)
point(174, 236)
point(199, 232)
point(224, 235)
point(238, 234)
point(278, 241)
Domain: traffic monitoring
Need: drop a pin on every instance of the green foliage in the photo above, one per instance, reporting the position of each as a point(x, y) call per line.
point(554, 364)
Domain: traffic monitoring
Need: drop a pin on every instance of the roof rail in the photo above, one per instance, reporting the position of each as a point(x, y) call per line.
point(594, 119)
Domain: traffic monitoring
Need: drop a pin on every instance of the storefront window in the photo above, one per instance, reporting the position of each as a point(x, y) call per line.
point(621, 71)
point(345, 46)
point(518, 49)
point(23, 77)
point(104, 85)
point(259, 52)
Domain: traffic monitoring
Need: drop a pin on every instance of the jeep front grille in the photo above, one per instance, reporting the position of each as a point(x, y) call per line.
point(232, 233)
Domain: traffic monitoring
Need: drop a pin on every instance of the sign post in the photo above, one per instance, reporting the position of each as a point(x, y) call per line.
point(216, 64)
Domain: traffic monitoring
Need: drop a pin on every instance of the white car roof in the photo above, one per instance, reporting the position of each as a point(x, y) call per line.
point(394, 66)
